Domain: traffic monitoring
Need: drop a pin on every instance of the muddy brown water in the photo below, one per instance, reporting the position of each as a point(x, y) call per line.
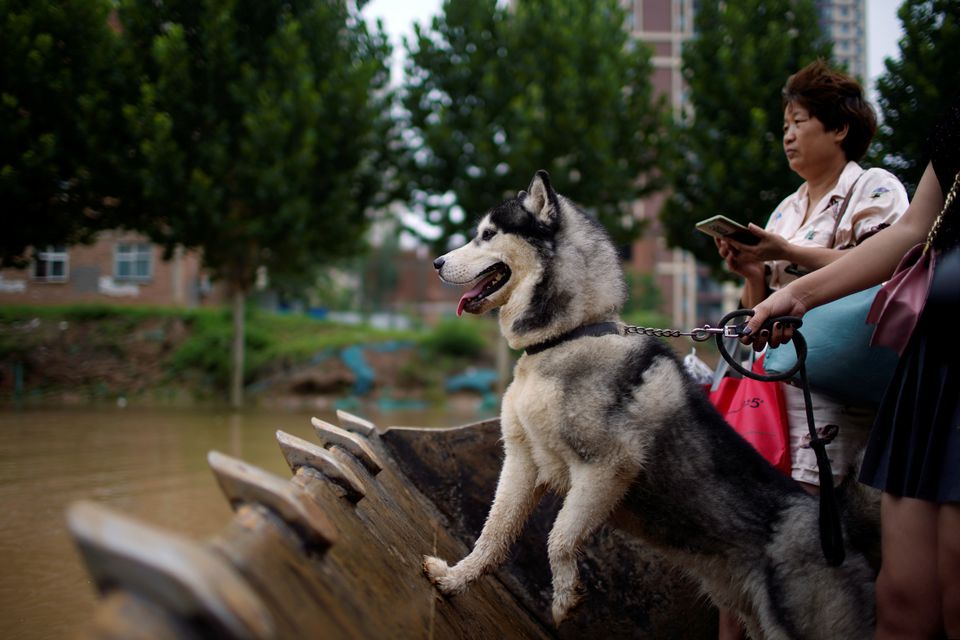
point(148, 463)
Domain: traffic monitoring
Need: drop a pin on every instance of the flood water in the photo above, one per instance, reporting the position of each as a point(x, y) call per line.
point(147, 463)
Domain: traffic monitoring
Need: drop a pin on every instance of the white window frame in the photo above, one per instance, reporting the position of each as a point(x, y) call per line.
point(131, 253)
point(52, 254)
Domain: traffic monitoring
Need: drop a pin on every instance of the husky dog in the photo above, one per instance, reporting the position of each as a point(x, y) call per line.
point(611, 422)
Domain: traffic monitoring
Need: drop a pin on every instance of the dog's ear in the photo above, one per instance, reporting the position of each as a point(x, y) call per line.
point(541, 199)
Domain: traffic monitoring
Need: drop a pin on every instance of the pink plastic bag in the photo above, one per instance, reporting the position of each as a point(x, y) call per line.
point(756, 410)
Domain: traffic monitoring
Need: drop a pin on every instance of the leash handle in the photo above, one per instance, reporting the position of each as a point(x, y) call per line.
point(798, 342)
point(831, 527)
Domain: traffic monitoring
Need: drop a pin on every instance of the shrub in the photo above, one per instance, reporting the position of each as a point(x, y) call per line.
point(457, 337)
point(208, 347)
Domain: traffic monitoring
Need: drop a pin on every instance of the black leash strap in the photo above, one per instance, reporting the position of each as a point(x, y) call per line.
point(831, 528)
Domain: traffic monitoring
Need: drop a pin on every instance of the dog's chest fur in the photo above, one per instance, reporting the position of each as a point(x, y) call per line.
point(568, 408)
point(538, 425)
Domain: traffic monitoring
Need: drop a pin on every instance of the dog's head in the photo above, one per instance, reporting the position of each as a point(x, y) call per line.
point(549, 265)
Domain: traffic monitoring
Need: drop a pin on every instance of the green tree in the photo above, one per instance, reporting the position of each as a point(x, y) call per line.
point(728, 155)
point(916, 90)
point(62, 149)
point(493, 94)
point(263, 128)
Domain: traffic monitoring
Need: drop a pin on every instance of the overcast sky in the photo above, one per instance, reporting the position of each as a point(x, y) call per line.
point(883, 33)
point(883, 26)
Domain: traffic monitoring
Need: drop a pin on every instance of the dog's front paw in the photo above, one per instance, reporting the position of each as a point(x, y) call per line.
point(565, 601)
point(443, 576)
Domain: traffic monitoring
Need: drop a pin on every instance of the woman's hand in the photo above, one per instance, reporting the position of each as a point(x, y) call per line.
point(770, 247)
point(737, 263)
point(780, 303)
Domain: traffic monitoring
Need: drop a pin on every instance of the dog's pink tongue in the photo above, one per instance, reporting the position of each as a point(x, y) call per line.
point(469, 294)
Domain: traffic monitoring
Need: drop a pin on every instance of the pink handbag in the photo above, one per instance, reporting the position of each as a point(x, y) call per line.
point(898, 304)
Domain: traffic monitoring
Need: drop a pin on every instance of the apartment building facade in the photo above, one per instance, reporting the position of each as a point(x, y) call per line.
point(845, 23)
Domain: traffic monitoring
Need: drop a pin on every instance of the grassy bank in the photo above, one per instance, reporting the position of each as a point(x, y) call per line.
point(102, 351)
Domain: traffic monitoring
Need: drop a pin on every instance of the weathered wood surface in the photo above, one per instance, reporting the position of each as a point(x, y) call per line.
point(630, 591)
point(335, 552)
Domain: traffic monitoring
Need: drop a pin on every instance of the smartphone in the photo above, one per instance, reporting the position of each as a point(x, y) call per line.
point(724, 227)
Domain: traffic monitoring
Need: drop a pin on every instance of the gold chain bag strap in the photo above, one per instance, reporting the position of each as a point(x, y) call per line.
point(935, 227)
point(898, 304)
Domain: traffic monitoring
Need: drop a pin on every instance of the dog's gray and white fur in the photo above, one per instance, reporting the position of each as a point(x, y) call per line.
point(614, 424)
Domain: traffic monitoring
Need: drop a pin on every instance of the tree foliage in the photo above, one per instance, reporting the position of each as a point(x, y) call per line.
point(728, 155)
point(62, 149)
point(493, 94)
point(263, 130)
point(916, 90)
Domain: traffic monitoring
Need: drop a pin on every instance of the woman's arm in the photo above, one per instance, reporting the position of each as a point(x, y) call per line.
point(773, 246)
point(755, 288)
point(858, 268)
point(810, 258)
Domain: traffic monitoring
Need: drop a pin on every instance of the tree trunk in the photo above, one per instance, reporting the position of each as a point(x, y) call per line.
point(237, 349)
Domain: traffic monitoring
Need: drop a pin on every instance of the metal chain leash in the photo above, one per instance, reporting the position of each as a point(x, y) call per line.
point(698, 334)
point(651, 331)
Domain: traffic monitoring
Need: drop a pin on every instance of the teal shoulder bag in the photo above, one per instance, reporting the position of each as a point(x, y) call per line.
point(840, 361)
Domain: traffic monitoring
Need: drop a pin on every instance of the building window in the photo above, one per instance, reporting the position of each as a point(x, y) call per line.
point(133, 261)
point(52, 264)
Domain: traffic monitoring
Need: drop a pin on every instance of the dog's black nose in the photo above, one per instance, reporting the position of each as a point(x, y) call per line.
point(438, 263)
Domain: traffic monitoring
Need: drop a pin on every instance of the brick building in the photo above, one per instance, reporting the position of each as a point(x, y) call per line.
point(120, 267)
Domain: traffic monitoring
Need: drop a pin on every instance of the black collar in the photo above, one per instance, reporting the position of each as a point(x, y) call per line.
point(597, 329)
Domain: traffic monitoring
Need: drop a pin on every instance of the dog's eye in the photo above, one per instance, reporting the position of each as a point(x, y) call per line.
point(489, 233)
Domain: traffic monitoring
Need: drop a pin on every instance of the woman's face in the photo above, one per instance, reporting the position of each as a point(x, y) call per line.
point(808, 146)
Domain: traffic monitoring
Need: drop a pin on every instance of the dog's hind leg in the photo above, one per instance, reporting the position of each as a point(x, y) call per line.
point(517, 494)
point(595, 491)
